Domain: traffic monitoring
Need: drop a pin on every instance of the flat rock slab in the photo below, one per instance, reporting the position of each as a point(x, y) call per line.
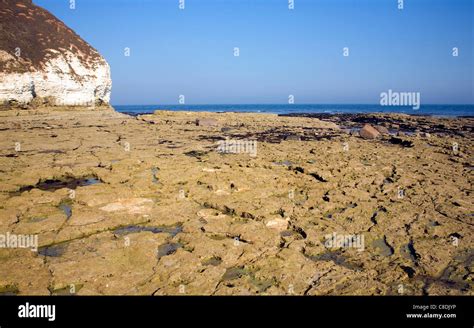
point(130, 205)
point(167, 212)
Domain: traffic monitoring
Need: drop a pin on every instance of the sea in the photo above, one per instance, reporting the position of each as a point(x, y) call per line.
point(432, 110)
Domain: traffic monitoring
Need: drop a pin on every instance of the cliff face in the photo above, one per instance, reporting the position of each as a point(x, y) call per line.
point(43, 62)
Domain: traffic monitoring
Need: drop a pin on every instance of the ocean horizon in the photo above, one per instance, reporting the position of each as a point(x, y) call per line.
point(431, 110)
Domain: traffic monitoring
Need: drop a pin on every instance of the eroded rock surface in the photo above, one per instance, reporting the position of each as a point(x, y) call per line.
point(147, 205)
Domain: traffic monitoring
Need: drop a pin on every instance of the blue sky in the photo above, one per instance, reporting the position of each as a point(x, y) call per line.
point(190, 52)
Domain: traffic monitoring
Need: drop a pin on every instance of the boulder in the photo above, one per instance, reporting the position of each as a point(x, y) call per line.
point(369, 132)
point(382, 129)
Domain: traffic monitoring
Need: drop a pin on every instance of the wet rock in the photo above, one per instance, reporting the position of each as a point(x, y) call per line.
point(171, 230)
point(234, 273)
point(383, 247)
point(408, 252)
point(52, 251)
point(284, 163)
point(337, 258)
point(66, 207)
point(213, 261)
point(168, 249)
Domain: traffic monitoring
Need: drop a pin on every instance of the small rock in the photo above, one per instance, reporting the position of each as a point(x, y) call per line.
point(206, 122)
point(369, 132)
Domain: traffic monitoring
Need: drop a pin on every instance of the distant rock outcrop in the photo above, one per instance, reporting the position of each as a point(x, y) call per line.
point(43, 62)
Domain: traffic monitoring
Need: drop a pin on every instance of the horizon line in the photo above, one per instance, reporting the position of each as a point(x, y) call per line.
point(280, 104)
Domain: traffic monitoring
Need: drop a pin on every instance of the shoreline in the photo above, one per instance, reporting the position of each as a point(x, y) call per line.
point(302, 114)
point(307, 109)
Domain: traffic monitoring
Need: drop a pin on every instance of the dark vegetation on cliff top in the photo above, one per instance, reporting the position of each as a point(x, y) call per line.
point(35, 31)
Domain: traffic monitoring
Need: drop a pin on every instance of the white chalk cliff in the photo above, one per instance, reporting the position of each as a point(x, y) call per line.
point(43, 62)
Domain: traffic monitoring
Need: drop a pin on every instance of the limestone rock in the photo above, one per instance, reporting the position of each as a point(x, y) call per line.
point(243, 236)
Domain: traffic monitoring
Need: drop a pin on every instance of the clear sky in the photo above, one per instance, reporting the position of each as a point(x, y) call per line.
point(283, 52)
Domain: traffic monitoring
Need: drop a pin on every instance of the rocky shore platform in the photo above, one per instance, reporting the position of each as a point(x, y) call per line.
point(226, 203)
